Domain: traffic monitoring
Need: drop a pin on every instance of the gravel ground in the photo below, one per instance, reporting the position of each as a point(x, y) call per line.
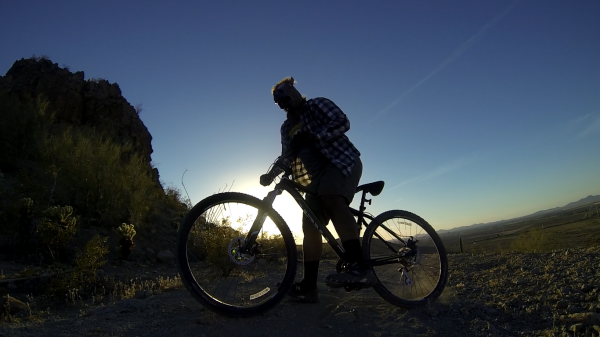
point(508, 294)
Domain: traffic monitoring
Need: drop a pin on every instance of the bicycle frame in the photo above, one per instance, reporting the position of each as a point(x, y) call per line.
point(285, 184)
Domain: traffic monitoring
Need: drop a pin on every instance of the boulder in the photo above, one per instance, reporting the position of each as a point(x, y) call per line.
point(14, 306)
point(165, 256)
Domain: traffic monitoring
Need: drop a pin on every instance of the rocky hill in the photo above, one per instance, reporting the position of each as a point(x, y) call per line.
point(77, 101)
point(590, 199)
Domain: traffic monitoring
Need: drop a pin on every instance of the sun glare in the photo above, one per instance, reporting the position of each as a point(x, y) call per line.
point(289, 210)
point(286, 207)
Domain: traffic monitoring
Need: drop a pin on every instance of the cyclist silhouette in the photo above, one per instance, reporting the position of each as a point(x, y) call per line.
point(327, 163)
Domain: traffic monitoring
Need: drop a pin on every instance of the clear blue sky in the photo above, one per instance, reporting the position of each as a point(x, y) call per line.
point(470, 111)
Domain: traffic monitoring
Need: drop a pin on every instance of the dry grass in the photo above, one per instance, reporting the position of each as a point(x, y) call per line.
point(534, 240)
point(102, 291)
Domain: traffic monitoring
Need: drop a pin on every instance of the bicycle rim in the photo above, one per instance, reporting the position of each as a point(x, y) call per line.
point(418, 268)
point(214, 268)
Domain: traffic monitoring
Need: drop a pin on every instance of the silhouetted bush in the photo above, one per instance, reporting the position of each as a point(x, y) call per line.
point(90, 258)
point(57, 228)
point(103, 179)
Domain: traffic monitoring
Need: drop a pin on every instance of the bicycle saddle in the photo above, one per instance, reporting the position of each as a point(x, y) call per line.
point(374, 188)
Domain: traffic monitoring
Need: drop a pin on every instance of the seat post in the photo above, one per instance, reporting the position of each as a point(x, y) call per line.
point(362, 209)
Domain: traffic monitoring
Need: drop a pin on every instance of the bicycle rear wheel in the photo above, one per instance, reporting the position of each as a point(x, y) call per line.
point(213, 266)
point(409, 258)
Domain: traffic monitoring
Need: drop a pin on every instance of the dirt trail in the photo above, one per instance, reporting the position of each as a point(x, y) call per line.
point(513, 294)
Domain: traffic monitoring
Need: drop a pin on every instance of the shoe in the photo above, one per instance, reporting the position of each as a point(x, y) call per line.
point(357, 275)
point(304, 293)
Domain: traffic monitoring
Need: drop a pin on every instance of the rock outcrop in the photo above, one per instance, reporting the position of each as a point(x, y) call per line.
point(76, 101)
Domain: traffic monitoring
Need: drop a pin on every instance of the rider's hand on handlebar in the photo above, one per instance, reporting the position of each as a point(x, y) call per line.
point(266, 179)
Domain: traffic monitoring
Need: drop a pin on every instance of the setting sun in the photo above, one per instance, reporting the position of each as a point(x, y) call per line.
point(289, 210)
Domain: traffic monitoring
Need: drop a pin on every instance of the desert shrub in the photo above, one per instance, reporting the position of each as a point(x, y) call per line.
point(104, 179)
point(128, 289)
point(91, 257)
point(210, 241)
point(272, 246)
point(168, 283)
point(96, 80)
point(174, 200)
point(57, 228)
point(535, 240)
point(477, 248)
point(195, 244)
point(38, 58)
point(216, 241)
point(79, 282)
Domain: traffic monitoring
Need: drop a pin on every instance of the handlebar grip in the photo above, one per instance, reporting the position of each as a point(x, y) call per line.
point(266, 179)
point(279, 164)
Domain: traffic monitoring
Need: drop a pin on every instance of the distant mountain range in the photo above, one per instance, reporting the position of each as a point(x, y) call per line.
point(591, 199)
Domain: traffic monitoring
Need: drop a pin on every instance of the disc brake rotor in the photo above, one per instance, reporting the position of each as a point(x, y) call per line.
point(235, 253)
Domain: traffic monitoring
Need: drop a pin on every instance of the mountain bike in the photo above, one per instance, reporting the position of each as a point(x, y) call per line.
point(237, 256)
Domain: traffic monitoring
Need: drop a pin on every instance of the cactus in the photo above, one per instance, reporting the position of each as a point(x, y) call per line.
point(26, 203)
point(58, 227)
point(61, 216)
point(127, 232)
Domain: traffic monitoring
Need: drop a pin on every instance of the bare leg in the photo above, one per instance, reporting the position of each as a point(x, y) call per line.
point(312, 245)
point(336, 207)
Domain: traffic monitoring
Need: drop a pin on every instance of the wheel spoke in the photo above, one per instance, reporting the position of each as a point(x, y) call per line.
point(421, 271)
point(215, 268)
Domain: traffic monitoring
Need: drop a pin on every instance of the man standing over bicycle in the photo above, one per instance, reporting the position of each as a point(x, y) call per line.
point(328, 163)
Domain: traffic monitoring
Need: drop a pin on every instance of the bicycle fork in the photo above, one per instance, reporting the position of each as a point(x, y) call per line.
point(257, 225)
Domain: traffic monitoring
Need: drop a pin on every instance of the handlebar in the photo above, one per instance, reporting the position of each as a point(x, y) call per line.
point(278, 167)
point(279, 164)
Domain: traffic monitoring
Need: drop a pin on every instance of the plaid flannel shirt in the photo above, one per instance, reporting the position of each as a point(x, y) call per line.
point(328, 123)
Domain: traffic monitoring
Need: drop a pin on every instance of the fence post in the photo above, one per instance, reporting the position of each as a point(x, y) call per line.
point(461, 247)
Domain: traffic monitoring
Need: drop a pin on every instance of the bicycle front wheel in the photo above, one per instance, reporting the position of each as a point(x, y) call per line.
point(219, 272)
point(408, 258)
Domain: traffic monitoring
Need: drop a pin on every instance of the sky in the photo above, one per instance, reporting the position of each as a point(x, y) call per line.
point(471, 111)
